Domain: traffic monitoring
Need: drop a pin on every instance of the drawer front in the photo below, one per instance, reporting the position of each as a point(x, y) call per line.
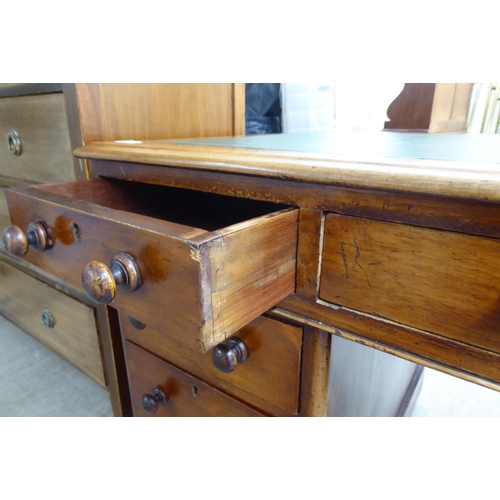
point(197, 285)
point(438, 281)
point(41, 124)
point(268, 379)
point(73, 334)
point(187, 396)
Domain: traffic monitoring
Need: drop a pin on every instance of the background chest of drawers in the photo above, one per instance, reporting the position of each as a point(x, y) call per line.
point(36, 148)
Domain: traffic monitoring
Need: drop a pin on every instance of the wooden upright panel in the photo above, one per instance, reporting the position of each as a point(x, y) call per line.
point(132, 111)
point(438, 281)
point(430, 107)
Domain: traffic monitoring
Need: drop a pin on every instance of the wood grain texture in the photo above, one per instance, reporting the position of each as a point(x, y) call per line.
point(274, 355)
point(75, 133)
point(457, 179)
point(315, 373)
point(239, 109)
point(466, 216)
point(250, 267)
point(215, 281)
point(432, 280)
point(74, 335)
point(450, 107)
point(142, 111)
point(108, 331)
point(188, 396)
point(40, 121)
point(449, 356)
point(430, 107)
point(308, 255)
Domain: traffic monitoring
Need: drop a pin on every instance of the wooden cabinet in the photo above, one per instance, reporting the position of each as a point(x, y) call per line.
point(214, 250)
point(334, 263)
point(40, 125)
point(268, 379)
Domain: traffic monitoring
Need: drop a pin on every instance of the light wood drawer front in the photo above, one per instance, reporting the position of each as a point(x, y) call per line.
point(198, 285)
point(274, 353)
point(74, 334)
point(188, 396)
point(438, 281)
point(42, 126)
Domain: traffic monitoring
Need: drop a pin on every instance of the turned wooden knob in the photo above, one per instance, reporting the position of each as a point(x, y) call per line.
point(100, 282)
point(150, 402)
point(227, 356)
point(17, 243)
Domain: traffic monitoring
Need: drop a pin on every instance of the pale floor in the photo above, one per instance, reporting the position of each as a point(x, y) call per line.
point(36, 382)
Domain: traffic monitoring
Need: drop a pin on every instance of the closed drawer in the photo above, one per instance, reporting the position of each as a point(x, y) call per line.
point(41, 124)
point(73, 335)
point(442, 282)
point(208, 264)
point(187, 396)
point(268, 379)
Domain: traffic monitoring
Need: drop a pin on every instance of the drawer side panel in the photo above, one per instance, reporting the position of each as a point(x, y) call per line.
point(251, 271)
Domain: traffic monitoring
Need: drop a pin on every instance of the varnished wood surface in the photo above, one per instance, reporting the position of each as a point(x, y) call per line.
point(412, 108)
point(268, 379)
point(213, 282)
point(432, 280)
point(464, 216)
point(430, 107)
point(147, 111)
point(74, 335)
point(188, 396)
point(108, 331)
point(449, 356)
point(459, 178)
point(315, 373)
point(40, 121)
point(450, 107)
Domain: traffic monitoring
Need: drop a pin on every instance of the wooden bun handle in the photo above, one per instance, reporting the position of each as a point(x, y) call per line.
point(100, 282)
point(150, 402)
point(17, 243)
point(226, 356)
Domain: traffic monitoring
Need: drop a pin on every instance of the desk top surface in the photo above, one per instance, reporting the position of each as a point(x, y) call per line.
point(482, 148)
point(456, 165)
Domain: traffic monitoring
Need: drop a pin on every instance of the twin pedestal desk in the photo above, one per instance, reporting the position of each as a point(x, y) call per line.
point(281, 275)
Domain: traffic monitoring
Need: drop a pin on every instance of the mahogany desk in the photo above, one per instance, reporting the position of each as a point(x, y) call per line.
point(286, 274)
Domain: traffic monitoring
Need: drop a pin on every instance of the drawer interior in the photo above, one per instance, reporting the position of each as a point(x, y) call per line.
point(207, 211)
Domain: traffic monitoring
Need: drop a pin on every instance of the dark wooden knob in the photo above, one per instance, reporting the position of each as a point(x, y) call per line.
point(227, 356)
point(100, 282)
point(17, 243)
point(150, 402)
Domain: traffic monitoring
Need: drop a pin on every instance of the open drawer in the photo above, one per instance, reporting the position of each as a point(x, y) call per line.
point(205, 264)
